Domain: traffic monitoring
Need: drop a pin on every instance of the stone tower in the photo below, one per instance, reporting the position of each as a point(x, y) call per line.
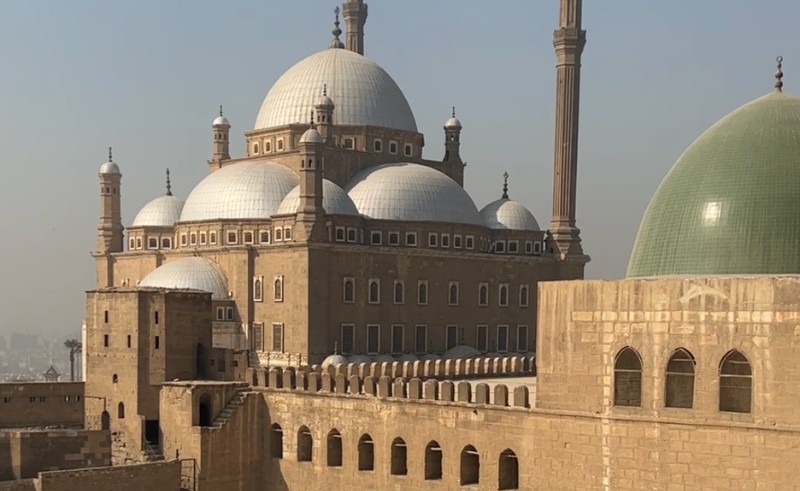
point(355, 16)
point(222, 130)
point(109, 231)
point(324, 114)
point(568, 41)
point(452, 139)
point(310, 223)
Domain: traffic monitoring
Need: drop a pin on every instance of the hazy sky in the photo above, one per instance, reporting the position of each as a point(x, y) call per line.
point(146, 77)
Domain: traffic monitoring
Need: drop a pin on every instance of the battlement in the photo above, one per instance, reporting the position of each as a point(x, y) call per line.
point(439, 380)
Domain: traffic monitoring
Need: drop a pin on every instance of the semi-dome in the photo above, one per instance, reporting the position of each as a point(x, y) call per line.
point(334, 201)
point(731, 203)
point(163, 211)
point(240, 191)
point(191, 273)
point(507, 214)
point(411, 192)
point(364, 94)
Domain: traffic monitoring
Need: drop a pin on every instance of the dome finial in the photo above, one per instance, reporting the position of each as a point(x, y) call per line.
point(169, 184)
point(312, 125)
point(779, 75)
point(505, 185)
point(324, 90)
point(336, 43)
point(220, 109)
point(335, 348)
point(454, 111)
point(110, 158)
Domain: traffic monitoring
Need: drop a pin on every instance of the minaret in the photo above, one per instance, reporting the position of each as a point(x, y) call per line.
point(310, 223)
point(324, 109)
point(222, 129)
point(109, 231)
point(568, 41)
point(355, 16)
point(452, 139)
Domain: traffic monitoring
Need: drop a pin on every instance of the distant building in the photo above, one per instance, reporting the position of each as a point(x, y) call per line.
point(51, 375)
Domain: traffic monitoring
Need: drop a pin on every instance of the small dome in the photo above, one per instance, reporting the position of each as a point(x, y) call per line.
point(163, 211)
point(221, 121)
point(506, 214)
point(240, 191)
point(384, 358)
point(430, 356)
point(311, 135)
point(411, 192)
point(364, 93)
point(334, 360)
point(731, 203)
point(325, 101)
point(334, 201)
point(461, 351)
point(453, 122)
point(359, 359)
point(408, 357)
point(191, 273)
point(109, 168)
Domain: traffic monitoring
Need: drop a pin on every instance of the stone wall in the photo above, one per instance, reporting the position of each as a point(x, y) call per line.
point(161, 476)
point(40, 404)
point(23, 454)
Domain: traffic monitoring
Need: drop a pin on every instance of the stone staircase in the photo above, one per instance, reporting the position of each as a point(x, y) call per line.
point(227, 412)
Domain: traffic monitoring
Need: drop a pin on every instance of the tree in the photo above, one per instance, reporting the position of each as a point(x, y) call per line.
point(74, 347)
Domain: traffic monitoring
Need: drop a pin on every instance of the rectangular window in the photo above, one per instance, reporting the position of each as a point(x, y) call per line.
point(420, 338)
point(394, 238)
point(232, 238)
point(456, 241)
point(131, 243)
point(287, 233)
point(340, 234)
point(264, 237)
point(373, 339)
point(203, 238)
point(409, 149)
point(193, 238)
point(105, 340)
point(277, 337)
point(129, 340)
point(411, 239)
point(349, 143)
point(138, 242)
point(375, 238)
point(452, 337)
point(183, 239)
point(502, 339)
point(513, 246)
point(432, 239)
point(500, 247)
point(528, 247)
point(229, 313)
point(258, 337)
point(248, 237)
point(212, 238)
point(152, 243)
point(351, 235)
point(377, 145)
point(374, 291)
point(482, 339)
point(278, 234)
point(445, 240)
point(166, 243)
point(220, 314)
point(470, 242)
point(348, 340)
point(105, 316)
point(397, 338)
point(522, 339)
point(537, 247)
point(157, 343)
point(393, 147)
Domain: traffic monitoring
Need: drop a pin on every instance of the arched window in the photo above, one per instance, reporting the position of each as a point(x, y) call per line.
point(508, 472)
point(399, 293)
point(374, 291)
point(114, 378)
point(366, 453)
point(399, 457)
point(503, 295)
point(334, 449)
point(680, 380)
point(305, 444)
point(121, 410)
point(422, 293)
point(276, 441)
point(349, 290)
point(483, 294)
point(257, 291)
point(453, 294)
point(105, 421)
point(735, 383)
point(628, 378)
point(523, 296)
point(279, 289)
point(470, 466)
point(433, 461)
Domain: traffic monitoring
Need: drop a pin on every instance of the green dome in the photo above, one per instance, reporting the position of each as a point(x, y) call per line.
point(731, 203)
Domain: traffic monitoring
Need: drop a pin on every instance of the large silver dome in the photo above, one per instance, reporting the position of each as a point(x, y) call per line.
point(191, 273)
point(334, 200)
point(411, 192)
point(506, 214)
point(240, 191)
point(163, 211)
point(363, 93)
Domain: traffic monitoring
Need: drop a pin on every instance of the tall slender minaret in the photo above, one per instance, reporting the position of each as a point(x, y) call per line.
point(310, 213)
point(568, 41)
point(221, 148)
point(355, 16)
point(109, 230)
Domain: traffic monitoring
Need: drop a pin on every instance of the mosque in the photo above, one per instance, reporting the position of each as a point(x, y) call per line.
point(333, 310)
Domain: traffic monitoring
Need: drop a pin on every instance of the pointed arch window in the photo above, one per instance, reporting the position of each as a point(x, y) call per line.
point(374, 291)
point(334, 448)
point(508, 470)
point(735, 383)
point(422, 292)
point(483, 294)
point(366, 453)
point(433, 461)
point(278, 290)
point(305, 444)
point(349, 290)
point(628, 378)
point(502, 295)
point(276, 441)
point(399, 292)
point(453, 293)
point(523, 295)
point(470, 466)
point(258, 289)
point(399, 458)
point(121, 410)
point(680, 380)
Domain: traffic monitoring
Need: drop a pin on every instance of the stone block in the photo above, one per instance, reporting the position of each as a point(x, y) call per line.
point(430, 390)
point(327, 382)
point(275, 378)
point(447, 391)
point(340, 384)
point(482, 393)
point(385, 387)
point(354, 385)
point(500, 395)
point(464, 392)
point(521, 396)
point(369, 385)
point(399, 388)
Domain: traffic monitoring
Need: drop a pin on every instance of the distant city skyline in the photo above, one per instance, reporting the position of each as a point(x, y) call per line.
point(147, 79)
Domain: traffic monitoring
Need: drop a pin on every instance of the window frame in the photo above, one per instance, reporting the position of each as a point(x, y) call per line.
point(417, 329)
point(377, 299)
point(374, 328)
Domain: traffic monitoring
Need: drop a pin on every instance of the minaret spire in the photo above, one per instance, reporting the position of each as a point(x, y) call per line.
point(169, 184)
point(779, 75)
point(355, 16)
point(568, 40)
point(336, 43)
